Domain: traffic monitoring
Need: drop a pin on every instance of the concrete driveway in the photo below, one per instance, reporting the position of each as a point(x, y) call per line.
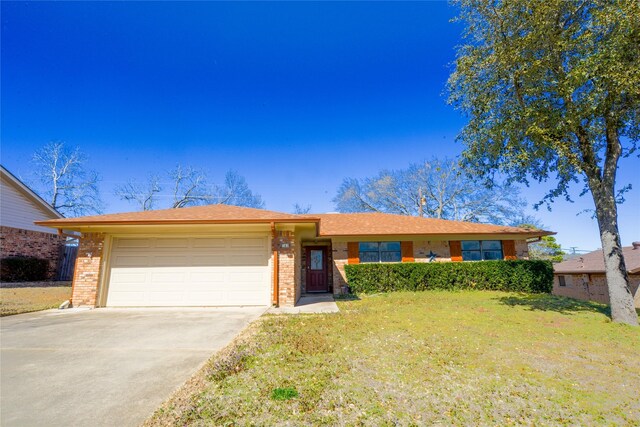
point(106, 366)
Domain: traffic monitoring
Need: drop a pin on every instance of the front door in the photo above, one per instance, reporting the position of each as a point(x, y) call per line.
point(316, 269)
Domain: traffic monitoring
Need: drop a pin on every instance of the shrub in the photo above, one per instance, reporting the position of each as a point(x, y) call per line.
point(23, 269)
point(515, 276)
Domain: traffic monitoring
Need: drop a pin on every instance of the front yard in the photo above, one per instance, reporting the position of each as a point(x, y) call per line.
point(15, 300)
point(422, 358)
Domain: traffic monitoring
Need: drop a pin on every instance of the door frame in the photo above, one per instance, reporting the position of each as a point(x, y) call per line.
point(325, 265)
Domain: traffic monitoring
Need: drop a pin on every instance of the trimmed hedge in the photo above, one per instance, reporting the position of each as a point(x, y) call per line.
point(23, 269)
point(515, 276)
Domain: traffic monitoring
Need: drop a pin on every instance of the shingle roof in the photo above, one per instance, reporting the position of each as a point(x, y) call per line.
point(190, 215)
point(593, 262)
point(353, 224)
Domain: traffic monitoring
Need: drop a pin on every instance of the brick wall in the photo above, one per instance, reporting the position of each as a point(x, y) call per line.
point(340, 256)
point(19, 242)
point(591, 287)
point(422, 249)
point(87, 271)
point(288, 294)
point(522, 249)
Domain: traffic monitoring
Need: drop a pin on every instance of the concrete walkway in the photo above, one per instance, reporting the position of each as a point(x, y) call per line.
point(310, 304)
point(105, 367)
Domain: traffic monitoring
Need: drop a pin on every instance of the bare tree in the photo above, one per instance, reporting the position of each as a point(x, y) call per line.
point(65, 183)
point(235, 191)
point(189, 187)
point(301, 209)
point(435, 188)
point(144, 195)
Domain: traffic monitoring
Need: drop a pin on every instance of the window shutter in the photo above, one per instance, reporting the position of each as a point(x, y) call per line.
point(353, 255)
point(407, 251)
point(455, 247)
point(509, 249)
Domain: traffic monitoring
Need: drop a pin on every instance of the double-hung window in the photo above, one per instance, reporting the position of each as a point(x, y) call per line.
point(479, 250)
point(380, 252)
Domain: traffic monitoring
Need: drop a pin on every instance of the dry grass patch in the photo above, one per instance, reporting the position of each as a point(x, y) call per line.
point(26, 299)
point(461, 358)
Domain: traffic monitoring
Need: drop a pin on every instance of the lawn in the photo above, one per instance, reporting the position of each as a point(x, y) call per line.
point(24, 300)
point(425, 358)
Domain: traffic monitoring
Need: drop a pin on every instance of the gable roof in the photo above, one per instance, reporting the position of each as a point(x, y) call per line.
point(354, 224)
point(24, 189)
point(358, 224)
point(593, 262)
point(208, 214)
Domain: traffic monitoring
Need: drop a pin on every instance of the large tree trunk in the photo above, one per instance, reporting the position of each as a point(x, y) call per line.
point(620, 297)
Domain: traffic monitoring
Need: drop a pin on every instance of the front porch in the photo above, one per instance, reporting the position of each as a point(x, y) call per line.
point(309, 304)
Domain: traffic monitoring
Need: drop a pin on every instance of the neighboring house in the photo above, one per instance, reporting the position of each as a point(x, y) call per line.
point(583, 277)
point(226, 255)
point(20, 207)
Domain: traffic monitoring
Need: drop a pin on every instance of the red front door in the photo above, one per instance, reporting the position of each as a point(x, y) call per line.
point(316, 269)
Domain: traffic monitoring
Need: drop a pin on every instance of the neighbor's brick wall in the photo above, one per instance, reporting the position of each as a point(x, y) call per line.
point(287, 269)
point(590, 287)
point(19, 242)
point(87, 271)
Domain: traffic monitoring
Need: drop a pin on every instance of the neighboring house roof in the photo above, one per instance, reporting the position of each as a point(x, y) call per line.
point(357, 224)
point(593, 262)
point(328, 224)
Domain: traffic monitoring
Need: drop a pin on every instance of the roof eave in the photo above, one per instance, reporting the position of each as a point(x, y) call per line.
point(72, 224)
point(466, 233)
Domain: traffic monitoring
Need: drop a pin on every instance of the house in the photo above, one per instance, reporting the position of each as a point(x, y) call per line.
point(227, 255)
point(583, 277)
point(20, 207)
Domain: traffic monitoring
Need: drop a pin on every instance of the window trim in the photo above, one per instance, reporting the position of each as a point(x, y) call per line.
point(379, 253)
point(481, 250)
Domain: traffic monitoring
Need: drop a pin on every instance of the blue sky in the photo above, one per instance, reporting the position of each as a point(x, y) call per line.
point(294, 96)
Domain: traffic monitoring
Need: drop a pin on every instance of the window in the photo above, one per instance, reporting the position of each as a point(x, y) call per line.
point(561, 281)
point(478, 250)
point(380, 252)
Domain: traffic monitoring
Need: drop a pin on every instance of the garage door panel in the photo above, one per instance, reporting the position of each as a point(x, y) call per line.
point(130, 261)
point(205, 242)
point(248, 242)
point(172, 243)
point(189, 272)
point(211, 260)
point(134, 243)
point(169, 261)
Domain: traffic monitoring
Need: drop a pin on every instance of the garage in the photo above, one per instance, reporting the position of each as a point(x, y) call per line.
point(189, 271)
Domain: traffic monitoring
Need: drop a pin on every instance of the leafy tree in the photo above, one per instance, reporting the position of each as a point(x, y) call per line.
point(65, 182)
point(552, 91)
point(547, 249)
point(435, 188)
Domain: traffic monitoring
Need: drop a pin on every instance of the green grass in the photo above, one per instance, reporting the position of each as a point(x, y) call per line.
point(459, 358)
point(25, 300)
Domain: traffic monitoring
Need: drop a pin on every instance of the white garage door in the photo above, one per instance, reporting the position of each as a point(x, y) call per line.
point(194, 271)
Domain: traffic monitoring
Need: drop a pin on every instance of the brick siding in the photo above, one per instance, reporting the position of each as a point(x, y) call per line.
point(591, 287)
point(87, 271)
point(288, 286)
point(19, 242)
